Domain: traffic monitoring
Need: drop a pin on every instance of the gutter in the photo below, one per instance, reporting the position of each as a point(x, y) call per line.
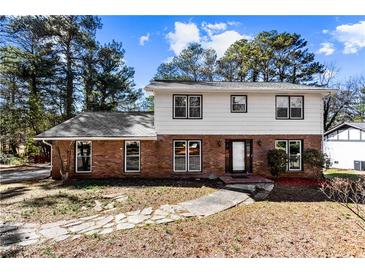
point(93, 138)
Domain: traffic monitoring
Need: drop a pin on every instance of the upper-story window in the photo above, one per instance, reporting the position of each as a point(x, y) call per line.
point(187, 107)
point(289, 107)
point(239, 103)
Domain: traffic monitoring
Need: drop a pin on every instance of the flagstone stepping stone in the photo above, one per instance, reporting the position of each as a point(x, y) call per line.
point(7, 228)
point(53, 232)
point(80, 227)
point(161, 212)
point(109, 225)
point(124, 226)
point(31, 225)
point(77, 222)
point(167, 208)
point(157, 217)
point(92, 232)
point(121, 198)
point(136, 219)
point(49, 225)
point(106, 231)
point(98, 206)
point(149, 222)
point(89, 217)
point(120, 217)
point(105, 220)
point(61, 238)
point(28, 242)
point(109, 206)
point(164, 221)
point(175, 217)
point(94, 227)
point(147, 211)
point(136, 212)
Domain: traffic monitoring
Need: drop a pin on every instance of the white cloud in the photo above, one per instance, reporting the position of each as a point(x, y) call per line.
point(326, 49)
point(325, 31)
point(184, 34)
point(352, 37)
point(217, 36)
point(220, 42)
point(143, 39)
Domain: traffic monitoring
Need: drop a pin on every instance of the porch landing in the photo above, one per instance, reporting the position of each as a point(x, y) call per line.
point(259, 187)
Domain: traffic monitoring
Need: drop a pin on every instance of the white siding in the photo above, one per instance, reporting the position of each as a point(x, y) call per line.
point(344, 153)
point(354, 134)
point(218, 119)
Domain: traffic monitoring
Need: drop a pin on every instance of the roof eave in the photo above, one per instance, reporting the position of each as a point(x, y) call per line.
point(94, 138)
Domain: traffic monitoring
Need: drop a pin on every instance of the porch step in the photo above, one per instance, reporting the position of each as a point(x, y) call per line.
point(244, 179)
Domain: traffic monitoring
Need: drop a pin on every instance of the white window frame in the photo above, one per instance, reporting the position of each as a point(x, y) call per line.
point(126, 156)
point(287, 150)
point(187, 158)
point(301, 108)
point(232, 103)
point(187, 107)
point(91, 157)
point(289, 116)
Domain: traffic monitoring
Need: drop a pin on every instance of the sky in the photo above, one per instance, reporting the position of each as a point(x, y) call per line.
point(152, 40)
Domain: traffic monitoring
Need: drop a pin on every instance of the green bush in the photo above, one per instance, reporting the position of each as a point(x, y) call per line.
point(316, 158)
point(277, 160)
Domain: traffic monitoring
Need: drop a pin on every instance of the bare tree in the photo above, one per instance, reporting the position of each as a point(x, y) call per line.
point(348, 193)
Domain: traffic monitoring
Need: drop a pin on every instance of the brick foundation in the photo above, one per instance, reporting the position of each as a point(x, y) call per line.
point(156, 156)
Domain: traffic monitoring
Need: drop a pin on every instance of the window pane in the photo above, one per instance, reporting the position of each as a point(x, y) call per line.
point(239, 107)
point(194, 101)
point(180, 101)
point(83, 149)
point(239, 103)
point(180, 148)
point(180, 163)
point(180, 112)
point(83, 163)
point(132, 163)
point(282, 106)
point(239, 99)
point(296, 105)
point(281, 145)
point(132, 159)
point(194, 112)
point(194, 106)
point(132, 148)
point(294, 155)
point(194, 156)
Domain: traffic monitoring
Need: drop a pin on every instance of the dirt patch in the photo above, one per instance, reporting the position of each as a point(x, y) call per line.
point(294, 222)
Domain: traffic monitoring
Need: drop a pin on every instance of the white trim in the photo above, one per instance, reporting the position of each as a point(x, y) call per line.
point(301, 155)
point(91, 157)
point(191, 89)
point(153, 138)
point(340, 125)
point(200, 156)
point(301, 107)
point(139, 156)
point(187, 156)
point(186, 153)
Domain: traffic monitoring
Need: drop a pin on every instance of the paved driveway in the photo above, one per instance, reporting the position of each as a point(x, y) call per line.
point(24, 174)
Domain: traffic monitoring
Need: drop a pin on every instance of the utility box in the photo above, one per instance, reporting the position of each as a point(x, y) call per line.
point(359, 165)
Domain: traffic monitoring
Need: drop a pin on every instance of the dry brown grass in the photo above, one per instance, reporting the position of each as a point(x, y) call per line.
point(294, 222)
point(47, 200)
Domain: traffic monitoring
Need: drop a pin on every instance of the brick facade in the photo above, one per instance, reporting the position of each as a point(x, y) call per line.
point(157, 156)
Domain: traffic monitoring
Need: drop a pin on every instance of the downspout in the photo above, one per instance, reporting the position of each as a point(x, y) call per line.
point(49, 144)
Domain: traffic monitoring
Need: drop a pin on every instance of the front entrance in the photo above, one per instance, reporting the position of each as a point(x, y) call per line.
point(239, 156)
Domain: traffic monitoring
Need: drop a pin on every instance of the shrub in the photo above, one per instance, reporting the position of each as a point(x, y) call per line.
point(277, 160)
point(316, 158)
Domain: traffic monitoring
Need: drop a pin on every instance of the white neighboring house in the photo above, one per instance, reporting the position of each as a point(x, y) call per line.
point(345, 145)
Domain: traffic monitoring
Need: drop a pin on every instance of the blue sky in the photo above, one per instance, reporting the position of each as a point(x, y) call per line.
point(151, 40)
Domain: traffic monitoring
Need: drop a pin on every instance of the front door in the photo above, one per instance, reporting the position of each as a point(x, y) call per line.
point(238, 156)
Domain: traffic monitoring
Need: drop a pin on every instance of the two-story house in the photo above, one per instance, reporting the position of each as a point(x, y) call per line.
point(198, 129)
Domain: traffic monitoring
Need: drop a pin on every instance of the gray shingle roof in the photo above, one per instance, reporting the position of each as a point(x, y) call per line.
point(167, 84)
point(360, 125)
point(104, 124)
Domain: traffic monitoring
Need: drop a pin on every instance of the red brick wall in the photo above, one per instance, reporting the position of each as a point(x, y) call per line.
point(156, 156)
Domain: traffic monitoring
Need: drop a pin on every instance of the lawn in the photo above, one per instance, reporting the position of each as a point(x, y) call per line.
point(47, 200)
point(344, 174)
point(295, 221)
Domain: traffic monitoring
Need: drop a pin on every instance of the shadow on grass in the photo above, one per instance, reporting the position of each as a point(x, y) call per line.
point(51, 200)
point(285, 193)
point(13, 192)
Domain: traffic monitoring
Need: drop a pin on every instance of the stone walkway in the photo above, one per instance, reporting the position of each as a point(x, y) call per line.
point(31, 233)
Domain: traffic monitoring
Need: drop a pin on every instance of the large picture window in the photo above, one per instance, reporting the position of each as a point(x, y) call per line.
point(289, 107)
point(187, 107)
point(83, 156)
point(293, 148)
point(187, 155)
point(132, 156)
point(239, 103)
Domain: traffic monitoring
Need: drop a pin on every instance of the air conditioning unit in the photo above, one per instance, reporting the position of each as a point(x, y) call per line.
point(359, 165)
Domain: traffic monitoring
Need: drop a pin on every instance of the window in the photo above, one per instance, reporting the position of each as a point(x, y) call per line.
point(294, 150)
point(289, 107)
point(187, 155)
point(239, 103)
point(132, 156)
point(187, 107)
point(83, 156)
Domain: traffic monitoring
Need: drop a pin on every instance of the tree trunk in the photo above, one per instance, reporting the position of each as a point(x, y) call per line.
point(69, 81)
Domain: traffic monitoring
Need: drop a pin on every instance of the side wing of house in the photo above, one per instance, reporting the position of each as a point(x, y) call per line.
point(345, 145)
